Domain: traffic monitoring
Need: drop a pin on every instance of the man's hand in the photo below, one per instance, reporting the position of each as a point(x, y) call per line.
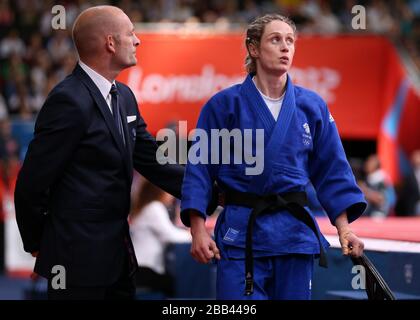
point(203, 247)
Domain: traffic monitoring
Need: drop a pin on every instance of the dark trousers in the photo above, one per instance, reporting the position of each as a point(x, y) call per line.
point(148, 279)
point(123, 289)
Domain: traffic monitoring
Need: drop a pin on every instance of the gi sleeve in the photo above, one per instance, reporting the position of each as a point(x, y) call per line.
point(200, 173)
point(331, 174)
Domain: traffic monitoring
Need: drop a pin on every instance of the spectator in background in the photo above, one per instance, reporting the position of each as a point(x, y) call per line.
point(28, 18)
point(59, 46)
point(249, 12)
point(12, 44)
point(35, 45)
point(356, 165)
point(377, 189)
point(7, 17)
point(379, 18)
point(415, 160)
point(38, 78)
point(3, 108)
point(151, 232)
point(327, 22)
point(320, 18)
point(67, 65)
point(407, 190)
point(9, 153)
point(8, 145)
point(9, 167)
point(15, 72)
point(9, 164)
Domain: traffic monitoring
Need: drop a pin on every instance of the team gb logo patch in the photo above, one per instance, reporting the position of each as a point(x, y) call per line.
point(307, 135)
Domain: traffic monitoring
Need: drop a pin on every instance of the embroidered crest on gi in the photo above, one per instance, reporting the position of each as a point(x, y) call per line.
point(306, 127)
point(331, 118)
point(231, 235)
point(307, 135)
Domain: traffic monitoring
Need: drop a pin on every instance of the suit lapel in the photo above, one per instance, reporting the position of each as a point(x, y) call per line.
point(109, 120)
point(102, 105)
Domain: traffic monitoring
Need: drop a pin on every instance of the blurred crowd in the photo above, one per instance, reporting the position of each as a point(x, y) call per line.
point(384, 198)
point(34, 57)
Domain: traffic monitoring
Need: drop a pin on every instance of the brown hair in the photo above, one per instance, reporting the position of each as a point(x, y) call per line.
point(254, 33)
point(147, 193)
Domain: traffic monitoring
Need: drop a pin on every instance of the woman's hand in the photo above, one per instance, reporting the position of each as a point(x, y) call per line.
point(203, 247)
point(350, 243)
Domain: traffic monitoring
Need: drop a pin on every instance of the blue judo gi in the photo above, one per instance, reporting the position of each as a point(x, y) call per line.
point(302, 145)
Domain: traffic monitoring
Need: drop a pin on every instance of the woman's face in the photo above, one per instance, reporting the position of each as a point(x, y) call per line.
point(277, 48)
point(371, 164)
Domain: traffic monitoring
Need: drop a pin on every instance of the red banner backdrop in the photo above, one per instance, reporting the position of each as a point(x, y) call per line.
point(358, 76)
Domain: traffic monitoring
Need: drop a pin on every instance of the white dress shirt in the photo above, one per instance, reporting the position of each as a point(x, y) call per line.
point(151, 230)
point(100, 81)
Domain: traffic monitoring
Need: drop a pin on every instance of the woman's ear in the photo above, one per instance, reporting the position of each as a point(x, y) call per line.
point(253, 50)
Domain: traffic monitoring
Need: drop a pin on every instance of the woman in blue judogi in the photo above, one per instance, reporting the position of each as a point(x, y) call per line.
point(265, 238)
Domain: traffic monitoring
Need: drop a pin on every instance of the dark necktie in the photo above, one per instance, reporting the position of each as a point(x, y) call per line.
point(116, 110)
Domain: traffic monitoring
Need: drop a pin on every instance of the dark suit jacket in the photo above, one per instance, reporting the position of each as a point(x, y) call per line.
point(72, 195)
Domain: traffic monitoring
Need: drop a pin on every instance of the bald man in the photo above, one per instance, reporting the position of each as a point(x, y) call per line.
point(72, 195)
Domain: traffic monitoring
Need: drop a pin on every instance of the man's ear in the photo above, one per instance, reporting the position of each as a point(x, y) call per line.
point(110, 43)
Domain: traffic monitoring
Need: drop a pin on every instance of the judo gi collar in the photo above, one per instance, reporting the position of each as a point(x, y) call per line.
point(274, 131)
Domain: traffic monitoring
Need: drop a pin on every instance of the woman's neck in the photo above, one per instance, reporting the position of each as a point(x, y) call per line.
point(271, 86)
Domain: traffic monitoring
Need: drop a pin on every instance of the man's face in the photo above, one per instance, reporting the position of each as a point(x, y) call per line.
point(277, 48)
point(126, 44)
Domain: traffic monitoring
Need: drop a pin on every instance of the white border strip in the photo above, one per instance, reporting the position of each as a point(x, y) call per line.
point(381, 245)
